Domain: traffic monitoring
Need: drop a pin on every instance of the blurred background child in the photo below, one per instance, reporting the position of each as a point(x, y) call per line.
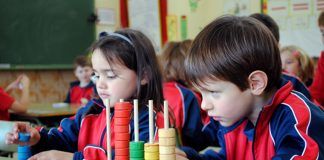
point(271, 24)
point(82, 90)
point(317, 88)
point(296, 61)
point(184, 103)
point(9, 103)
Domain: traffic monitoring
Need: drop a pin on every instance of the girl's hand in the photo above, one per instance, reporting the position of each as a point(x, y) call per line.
point(21, 82)
point(180, 155)
point(24, 81)
point(14, 84)
point(52, 155)
point(13, 138)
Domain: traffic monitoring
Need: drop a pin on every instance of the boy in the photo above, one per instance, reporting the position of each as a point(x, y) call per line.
point(317, 87)
point(81, 90)
point(9, 103)
point(235, 63)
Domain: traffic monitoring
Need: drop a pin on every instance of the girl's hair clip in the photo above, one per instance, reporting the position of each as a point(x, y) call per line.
point(296, 53)
point(105, 34)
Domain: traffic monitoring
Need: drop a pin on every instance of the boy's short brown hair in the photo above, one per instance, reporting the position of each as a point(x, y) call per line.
point(269, 22)
point(230, 48)
point(82, 61)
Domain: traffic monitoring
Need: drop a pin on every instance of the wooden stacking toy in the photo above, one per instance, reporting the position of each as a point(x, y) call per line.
point(121, 120)
point(167, 138)
point(136, 148)
point(151, 149)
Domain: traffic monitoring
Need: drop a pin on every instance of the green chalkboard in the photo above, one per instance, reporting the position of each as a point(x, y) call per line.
point(44, 33)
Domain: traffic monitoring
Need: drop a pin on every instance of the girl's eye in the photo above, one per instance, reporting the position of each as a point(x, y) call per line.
point(289, 62)
point(111, 75)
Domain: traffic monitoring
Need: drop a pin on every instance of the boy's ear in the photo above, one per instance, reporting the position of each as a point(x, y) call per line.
point(258, 81)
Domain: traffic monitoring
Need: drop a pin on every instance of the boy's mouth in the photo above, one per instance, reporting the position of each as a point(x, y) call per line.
point(217, 118)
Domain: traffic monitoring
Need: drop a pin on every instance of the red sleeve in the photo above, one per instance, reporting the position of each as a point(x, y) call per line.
point(317, 87)
point(6, 100)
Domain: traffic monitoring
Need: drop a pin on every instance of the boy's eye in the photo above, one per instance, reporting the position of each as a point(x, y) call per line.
point(214, 92)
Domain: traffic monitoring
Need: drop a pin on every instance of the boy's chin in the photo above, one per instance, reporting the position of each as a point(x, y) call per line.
point(226, 124)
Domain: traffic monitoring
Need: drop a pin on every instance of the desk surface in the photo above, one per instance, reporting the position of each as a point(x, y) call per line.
point(6, 158)
point(47, 110)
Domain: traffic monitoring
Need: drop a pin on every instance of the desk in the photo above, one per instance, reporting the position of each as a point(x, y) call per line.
point(6, 158)
point(45, 114)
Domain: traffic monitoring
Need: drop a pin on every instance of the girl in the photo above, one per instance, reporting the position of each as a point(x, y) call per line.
point(125, 67)
point(184, 103)
point(10, 103)
point(295, 61)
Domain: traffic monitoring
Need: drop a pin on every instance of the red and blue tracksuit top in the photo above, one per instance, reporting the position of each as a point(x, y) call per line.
point(184, 104)
point(5, 104)
point(290, 127)
point(76, 93)
point(211, 126)
point(85, 133)
point(317, 88)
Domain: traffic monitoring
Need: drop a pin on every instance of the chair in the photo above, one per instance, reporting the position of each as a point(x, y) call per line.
point(5, 149)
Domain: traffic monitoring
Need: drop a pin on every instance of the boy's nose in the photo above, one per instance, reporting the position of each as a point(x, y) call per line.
point(206, 105)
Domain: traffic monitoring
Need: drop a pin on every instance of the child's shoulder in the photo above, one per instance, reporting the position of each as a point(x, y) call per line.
point(74, 83)
point(297, 108)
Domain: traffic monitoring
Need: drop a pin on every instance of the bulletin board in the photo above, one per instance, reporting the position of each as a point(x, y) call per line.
point(144, 15)
point(297, 20)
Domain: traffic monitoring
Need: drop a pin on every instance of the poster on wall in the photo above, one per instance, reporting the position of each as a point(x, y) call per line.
point(297, 20)
point(144, 16)
point(237, 7)
point(172, 24)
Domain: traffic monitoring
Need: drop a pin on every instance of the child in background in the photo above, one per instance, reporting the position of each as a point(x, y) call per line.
point(295, 61)
point(317, 88)
point(184, 103)
point(81, 90)
point(9, 103)
point(274, 28)
point(172, 61)
point(125, 67)
point(239, 76)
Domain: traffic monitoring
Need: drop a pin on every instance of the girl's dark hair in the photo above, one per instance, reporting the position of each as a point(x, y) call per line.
point(137, 55)
point(230, 48)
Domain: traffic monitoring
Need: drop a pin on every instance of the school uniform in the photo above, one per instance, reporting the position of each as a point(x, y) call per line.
point(184, 104)
point(317, 88)
point(85, 133)
point(76, 93)
point(5, 103)
point(297, 84)
point(291, 126)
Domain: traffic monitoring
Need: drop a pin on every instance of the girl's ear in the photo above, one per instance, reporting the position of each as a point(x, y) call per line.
point(144, 79)
point(258, 81)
